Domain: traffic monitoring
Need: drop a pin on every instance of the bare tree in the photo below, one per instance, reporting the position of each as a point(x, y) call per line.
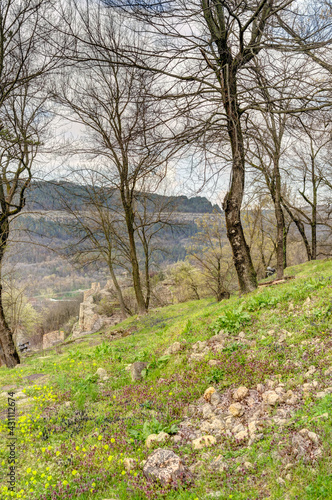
point(209, 60)
point(310, 174)
point(127, 137)
point(24, 115)
point(25, 56)
point(211, 253)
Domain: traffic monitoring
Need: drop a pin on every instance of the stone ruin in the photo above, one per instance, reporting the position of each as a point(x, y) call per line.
point(90, 320)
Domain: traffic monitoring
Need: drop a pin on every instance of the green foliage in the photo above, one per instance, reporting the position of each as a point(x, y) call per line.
point(216, 375)
point(187, 327)
point(141, 432)
point(262, 301)
point(85, 389)
point(104, 349)
point(160, 362)
point(231, 320)
point(232, 348)
point(320, 488)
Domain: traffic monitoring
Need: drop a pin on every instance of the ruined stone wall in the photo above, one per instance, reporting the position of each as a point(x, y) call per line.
point(52, 338)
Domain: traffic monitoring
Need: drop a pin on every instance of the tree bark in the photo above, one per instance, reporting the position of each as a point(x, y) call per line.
point(285, 232)
point(129, 216)
point(233, 200)
point(300, 226)
point(125, 312)
point(313, 212)
point(279, 219)
point(8, 352)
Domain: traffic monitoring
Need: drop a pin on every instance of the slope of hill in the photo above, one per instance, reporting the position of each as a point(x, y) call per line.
point(47, 195)
point(262, 430)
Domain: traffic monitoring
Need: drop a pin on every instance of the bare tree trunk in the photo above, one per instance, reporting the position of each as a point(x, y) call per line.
point(313, 212)
point(233, 200)
point(124, 309)
point(279, 219)
point(146, 271)
point(219, 285)
point(300, 226)
point(285, 233)
point(141, 305)
point(8, 352)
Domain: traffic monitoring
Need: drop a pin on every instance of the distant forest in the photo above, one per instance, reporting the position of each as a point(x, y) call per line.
point(53, 195)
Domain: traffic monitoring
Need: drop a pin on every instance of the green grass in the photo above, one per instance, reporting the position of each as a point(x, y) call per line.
point(74, 435)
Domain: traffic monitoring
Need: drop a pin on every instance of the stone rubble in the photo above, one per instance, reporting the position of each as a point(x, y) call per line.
point(165, 467)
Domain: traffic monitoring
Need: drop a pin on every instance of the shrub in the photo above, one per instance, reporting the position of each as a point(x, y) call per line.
point(231, 320)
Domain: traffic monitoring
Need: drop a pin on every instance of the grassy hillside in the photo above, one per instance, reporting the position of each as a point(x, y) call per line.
point(75, 431)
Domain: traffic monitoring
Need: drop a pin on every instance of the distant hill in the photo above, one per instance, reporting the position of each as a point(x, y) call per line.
point(45, 195)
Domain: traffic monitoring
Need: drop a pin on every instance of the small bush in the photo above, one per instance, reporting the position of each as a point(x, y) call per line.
point(232, 320)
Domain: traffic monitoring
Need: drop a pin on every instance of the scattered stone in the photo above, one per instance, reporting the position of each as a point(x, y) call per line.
point(252, 427)
point(313, 437)
point(242, 435)
point(240, 393)
point(236, 409)
point(311, 371)
point(215, 398)
point(102, 373)
point(218, 464)
point(174, 348)
point(203, 442)
point(136, 370)
point(129, 464)
point(197, 356)
point(248, 465)
point(220, 337)
point(35, 376)
point(229, 422)
point(213, 362)
point(215, 494)
point(195, 466)
point(176, 439)
point(260, 388)
point(127, 367)
point(199, 346)
point(156, 438)
point(217, 425)
point(242, 335)
point(238, 428)
point(208, 393)
point(166, 467)
point(271, 384)
point(271, 398)
point(328, 372)
point(306, 303)
point(324, 416)
point(24, 403)
point(207, 411)
point(20, 395)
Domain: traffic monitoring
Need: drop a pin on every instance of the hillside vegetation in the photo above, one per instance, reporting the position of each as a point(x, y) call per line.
point(76, 429)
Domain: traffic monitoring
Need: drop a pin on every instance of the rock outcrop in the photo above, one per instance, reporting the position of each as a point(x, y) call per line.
point(165, 467)
point(52, 338)
point(91, 318)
